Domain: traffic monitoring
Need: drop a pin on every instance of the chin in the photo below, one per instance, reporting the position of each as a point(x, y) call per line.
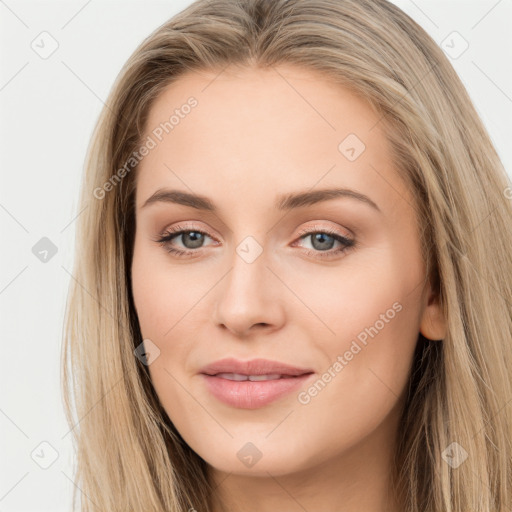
point(256, 458)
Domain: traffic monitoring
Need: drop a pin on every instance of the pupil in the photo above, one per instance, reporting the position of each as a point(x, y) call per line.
point(195, 239)
point(321, 237)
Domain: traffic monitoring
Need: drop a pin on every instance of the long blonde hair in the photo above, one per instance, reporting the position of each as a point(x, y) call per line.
point(129, 455)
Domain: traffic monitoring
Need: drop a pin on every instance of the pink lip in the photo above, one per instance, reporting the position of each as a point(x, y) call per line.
point(253, 367)
point(252, 394)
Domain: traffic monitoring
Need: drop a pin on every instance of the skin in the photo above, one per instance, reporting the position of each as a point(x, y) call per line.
point(333, 453)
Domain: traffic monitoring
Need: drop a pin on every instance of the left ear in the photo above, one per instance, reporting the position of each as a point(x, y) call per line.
point(433, 322)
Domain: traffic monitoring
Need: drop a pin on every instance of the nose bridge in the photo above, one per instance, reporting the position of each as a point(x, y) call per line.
point(248, 275)
point(247, 296)
point(249, 263)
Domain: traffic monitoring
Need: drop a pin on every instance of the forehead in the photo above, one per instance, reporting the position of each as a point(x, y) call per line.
point(262, 129)
point(250, 94)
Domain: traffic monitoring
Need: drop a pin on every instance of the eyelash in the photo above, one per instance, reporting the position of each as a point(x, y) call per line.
point(347, 242)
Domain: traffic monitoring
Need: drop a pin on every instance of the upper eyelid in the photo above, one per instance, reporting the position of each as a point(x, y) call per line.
point(316, 228)
point(186, 227)
point(183, 229)
point(304, 231)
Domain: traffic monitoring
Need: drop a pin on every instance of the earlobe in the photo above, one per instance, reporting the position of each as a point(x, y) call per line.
point(433, 322)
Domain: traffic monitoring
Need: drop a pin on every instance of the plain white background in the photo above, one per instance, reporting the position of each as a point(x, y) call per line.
point(48, 110)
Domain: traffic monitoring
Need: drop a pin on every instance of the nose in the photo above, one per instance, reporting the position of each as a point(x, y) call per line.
point(250, 298)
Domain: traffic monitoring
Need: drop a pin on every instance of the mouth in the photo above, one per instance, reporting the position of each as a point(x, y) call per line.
point(239, 377)
point(252, 384)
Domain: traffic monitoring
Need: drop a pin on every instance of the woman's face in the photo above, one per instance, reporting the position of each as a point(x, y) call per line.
point(303, 249)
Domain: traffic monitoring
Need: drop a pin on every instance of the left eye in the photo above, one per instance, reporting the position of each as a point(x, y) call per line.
point(323, 241)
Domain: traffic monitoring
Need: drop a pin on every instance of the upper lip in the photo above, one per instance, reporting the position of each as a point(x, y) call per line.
point(253, 367)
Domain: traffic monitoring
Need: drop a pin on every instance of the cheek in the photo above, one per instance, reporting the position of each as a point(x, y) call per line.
point(364, 290)
point(373, 311)
point(167, 300)
point(161, 306)
point(160, 294)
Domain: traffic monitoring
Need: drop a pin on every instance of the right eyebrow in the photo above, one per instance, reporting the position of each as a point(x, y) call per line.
point(179, 197)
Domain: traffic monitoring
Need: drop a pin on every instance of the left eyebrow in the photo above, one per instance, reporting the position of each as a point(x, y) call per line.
point(283, 202)
point(308, 198)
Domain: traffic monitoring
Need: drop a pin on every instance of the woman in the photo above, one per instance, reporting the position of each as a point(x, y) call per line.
point(293, 281)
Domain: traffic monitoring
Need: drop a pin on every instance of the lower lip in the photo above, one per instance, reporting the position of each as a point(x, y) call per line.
point(252, 395)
